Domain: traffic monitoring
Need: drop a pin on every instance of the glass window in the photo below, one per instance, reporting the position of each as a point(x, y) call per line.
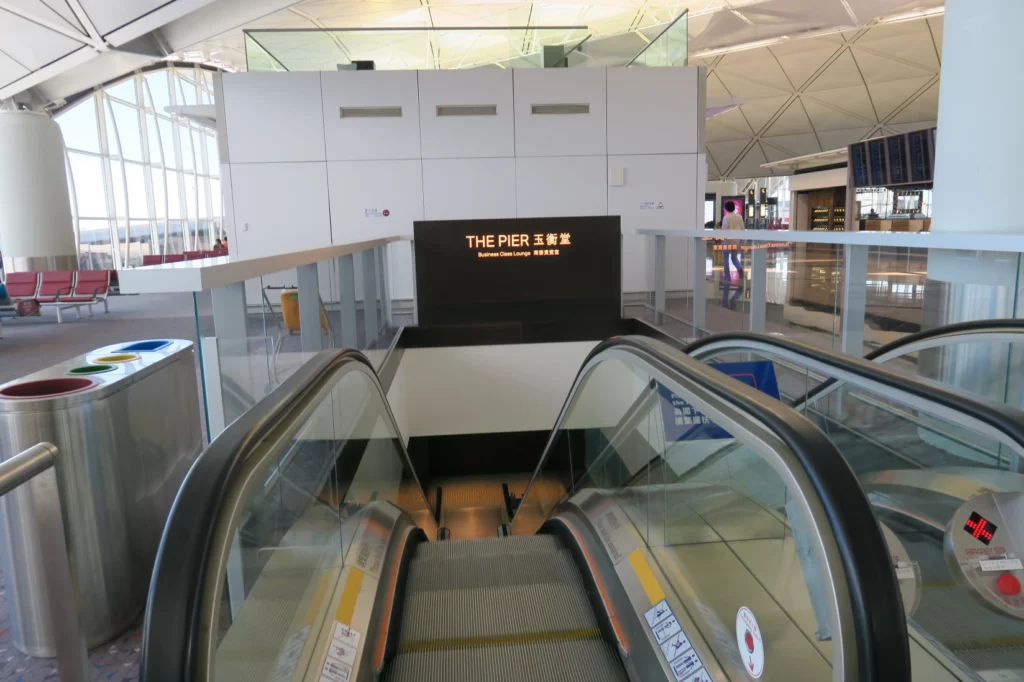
point(174, 195)
point(167, 140)
point(159, 192)
point(125, 90)
point(204, 210)
point(175, 237)
point(138, 205)
point(89, 194)
point(190, 196)
point(117, 177)
point(94, 245)
point(188, 91)
point(159, 88)
point(215, 200)
point(187, 160)
point(212, 154)
point(128, 131)
point(197, 145)
point(79, 126)
point(156, 154)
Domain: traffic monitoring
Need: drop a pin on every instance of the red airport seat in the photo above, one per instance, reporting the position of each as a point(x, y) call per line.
point(55, 284)
point(91, 286)
point(22, 285)
point(152, 260)
point(174, 258)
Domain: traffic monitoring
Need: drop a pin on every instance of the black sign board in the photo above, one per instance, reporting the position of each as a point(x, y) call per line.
point(518, 270)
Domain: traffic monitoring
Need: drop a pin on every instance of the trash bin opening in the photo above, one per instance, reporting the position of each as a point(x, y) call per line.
point(90, 369)
point(117, 357)
point(144, 346)
point(47, 388)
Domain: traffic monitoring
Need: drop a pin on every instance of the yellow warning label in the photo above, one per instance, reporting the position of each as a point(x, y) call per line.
point(318, 597)
point(349, 596)
point(646, 576)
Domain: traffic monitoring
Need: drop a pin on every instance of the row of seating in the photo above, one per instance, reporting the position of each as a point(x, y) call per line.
point(61, 289)
point(179, 257)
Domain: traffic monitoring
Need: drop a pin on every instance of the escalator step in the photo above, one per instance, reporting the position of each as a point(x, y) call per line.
point(516, 544)
point(462, 572)
point(485, 616)
point(586, 660)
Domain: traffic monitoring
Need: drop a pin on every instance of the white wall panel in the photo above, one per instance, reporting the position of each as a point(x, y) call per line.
point(461, 137)
point(560, 134)
point(400, 271)
point(279, 208)
point(455, 189)
point(273, 117)
point(562, 186)
point(654, 111)
point(363, 191)
point(667, 180)
point(371, 138)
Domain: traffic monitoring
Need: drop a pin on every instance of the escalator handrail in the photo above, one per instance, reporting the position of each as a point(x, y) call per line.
point(949, 332)
point(1006, 421)
point(174, 604)
point(876, 605)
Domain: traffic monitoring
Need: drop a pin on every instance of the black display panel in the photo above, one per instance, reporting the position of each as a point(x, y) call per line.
point(897, 160)
point(980, 528)
point(920, 156)
point(518, 270)
point(876, 159)
point(859, 162)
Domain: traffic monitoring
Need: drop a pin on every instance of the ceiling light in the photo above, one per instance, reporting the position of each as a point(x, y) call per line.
point(918, 13)
point(741, 47)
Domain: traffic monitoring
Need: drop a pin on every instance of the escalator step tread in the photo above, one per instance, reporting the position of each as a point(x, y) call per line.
point(586, 660)
point(480, 616)
point(515, 544)
point(462, 572)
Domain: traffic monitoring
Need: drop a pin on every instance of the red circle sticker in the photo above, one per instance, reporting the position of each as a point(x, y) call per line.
point(386, 213)
point(749, 643)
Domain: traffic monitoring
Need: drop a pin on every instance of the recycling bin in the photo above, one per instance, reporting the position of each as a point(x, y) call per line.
point(125, 419)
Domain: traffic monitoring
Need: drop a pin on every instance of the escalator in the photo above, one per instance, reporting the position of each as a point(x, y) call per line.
point(302, 546)
point(937, 461)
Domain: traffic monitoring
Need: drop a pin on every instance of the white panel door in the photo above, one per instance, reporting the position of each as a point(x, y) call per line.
point(374, 199)
point(547, 132)
point(659, 192)
point(457, 189)
point(655, 111)
point(354, 137)
point(273, 117)
point(466, 136)
point(279, 208)
point(561, 186)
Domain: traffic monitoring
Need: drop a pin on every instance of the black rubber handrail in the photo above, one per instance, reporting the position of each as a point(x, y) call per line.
point(974, 326)
point(877, 607)
point(1006, 420)
point(172, 627)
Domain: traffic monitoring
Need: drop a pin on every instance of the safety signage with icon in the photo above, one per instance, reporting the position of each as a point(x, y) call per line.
point(679, 653)
point(748, 639)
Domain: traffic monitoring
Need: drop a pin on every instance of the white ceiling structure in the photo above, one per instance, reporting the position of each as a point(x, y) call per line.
point(812, 75)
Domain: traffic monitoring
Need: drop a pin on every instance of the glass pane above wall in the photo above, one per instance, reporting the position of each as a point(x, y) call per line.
point(79, 126)
point(669, 48)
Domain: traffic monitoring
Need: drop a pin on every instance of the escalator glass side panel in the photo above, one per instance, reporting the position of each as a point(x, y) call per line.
point(295, 507)
point(724, 506)
point(927, 470)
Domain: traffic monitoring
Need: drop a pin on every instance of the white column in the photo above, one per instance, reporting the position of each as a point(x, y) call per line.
point(979, 136)
point(35, 210)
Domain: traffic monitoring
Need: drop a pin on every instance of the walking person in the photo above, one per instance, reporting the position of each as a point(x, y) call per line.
point(732, 221)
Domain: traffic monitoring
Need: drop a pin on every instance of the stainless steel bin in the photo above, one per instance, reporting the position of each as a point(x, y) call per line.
point(125, 419)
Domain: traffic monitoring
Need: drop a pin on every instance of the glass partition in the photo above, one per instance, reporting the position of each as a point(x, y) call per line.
point(713, 495)
point(296, 503)
point(669, 48)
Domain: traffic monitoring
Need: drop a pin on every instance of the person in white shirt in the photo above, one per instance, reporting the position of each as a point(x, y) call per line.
point(732, 221)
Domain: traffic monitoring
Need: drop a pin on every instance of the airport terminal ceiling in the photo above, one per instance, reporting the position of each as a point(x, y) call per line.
point(808, 75)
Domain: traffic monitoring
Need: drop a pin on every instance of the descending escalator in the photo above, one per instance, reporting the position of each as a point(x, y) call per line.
point(301, 545)
point(929, 458)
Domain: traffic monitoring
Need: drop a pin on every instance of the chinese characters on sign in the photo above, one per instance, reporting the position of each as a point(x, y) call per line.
point(481, 243)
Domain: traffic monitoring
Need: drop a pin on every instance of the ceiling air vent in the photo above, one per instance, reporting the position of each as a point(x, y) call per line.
point(371, 112)
point(539, 109)
point(467, 110)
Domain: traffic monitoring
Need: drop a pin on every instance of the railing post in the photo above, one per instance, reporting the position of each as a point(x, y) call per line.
point(855, 293)
point(347, 301)
point(758, 287)
point(699, 253)
point(310, 332)
point(659, 278)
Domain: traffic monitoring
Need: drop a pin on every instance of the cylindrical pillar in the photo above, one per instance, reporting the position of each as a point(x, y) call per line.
point(35, 210)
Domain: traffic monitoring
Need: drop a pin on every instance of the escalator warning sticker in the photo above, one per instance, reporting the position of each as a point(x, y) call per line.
point(675, 646)
point(341, 654)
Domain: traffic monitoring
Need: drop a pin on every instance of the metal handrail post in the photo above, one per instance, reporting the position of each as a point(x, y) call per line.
point(58, 568)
